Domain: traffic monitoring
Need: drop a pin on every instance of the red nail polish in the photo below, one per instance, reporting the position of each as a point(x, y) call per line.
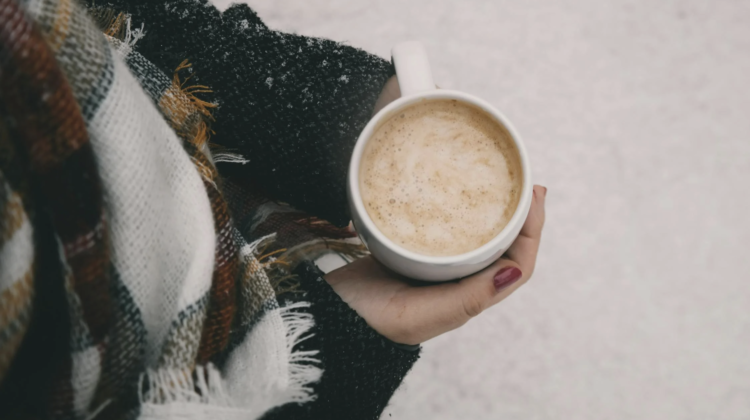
point(506, 277)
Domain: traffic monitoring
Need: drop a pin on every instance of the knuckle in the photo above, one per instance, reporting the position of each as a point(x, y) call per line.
point(400, 335)
point(398, 328)
point(472, 305)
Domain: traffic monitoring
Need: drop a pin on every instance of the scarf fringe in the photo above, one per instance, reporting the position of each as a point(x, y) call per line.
point(349, 249)
point(303, 366)
point(229, 157)
point(206, 388)
point(119, 29)
point(170, 386)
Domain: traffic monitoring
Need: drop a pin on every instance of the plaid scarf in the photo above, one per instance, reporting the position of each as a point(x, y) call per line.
point(109, 193)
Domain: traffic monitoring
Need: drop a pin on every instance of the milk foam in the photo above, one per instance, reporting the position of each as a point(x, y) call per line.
point(440, 178)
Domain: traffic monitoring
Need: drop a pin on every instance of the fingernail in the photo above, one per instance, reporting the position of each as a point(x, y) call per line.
point(506, 277)
point(545, 191)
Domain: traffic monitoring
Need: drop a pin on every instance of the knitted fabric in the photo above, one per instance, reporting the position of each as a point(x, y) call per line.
point(290, 104)
point(362, 369)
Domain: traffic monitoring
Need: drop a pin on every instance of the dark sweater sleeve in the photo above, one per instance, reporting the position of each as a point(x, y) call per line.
point(293, 105)
point(361, 369)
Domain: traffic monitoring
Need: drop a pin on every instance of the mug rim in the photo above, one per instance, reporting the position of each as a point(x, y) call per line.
point(366, 135)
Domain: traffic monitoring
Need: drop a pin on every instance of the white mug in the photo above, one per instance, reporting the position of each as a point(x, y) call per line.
point(416, 83)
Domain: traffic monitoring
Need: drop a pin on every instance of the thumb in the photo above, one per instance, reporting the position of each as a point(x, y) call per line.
point(488, 287)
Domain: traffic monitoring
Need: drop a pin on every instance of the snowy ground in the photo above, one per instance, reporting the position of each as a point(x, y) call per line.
point(635, 114)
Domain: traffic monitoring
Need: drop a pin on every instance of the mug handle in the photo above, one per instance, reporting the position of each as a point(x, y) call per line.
point(412, 68)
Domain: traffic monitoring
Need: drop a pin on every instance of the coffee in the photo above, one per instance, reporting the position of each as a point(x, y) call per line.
point(440, 177)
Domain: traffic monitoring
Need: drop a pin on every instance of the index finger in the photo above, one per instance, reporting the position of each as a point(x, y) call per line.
point(525, 248)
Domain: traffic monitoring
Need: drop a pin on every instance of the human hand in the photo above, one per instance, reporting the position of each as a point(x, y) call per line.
point(410, 312)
